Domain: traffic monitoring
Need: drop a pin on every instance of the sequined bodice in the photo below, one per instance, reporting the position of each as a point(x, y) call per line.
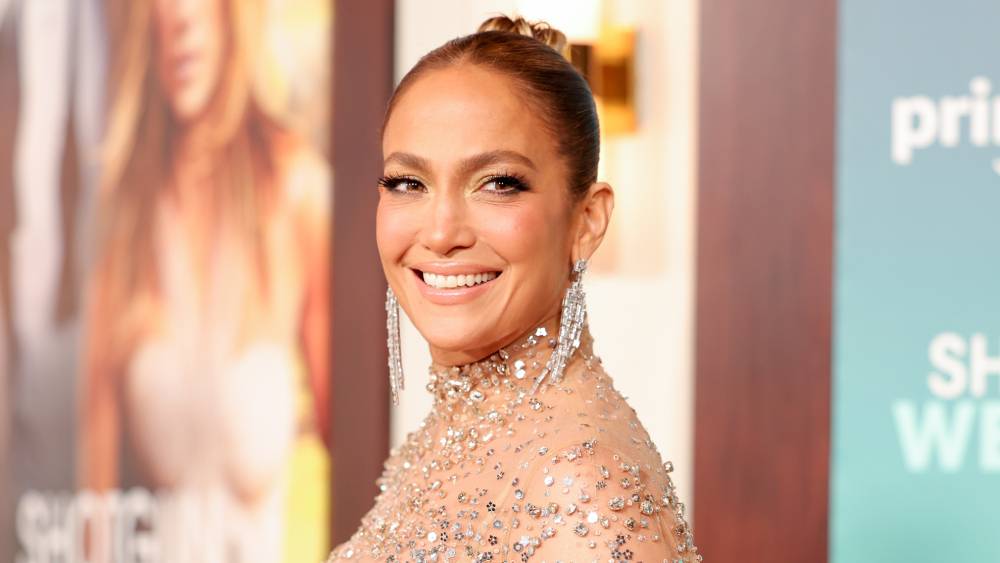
point(496, 472)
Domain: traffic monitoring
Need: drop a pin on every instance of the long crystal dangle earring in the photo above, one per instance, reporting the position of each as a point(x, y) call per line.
point(395, 358)
point(571, 321)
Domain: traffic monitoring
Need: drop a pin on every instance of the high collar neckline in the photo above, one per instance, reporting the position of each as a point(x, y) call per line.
point(511, 370)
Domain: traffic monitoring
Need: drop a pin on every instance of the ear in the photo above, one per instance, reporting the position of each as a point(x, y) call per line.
point(593, 213)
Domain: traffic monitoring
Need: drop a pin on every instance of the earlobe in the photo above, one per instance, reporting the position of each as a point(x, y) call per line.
point(594, 216)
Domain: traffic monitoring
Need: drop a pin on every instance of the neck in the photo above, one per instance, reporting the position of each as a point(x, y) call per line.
point(192, 152)
point(521, 366)
point(193, 167)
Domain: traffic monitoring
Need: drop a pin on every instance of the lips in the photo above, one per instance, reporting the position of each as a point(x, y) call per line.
point(453, 283)
point(184, 65)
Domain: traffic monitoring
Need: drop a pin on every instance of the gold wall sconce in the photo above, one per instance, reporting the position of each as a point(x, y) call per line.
point(608, 64)
point(603, 51)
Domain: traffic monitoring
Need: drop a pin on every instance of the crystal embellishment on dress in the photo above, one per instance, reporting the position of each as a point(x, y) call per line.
point(497, 473)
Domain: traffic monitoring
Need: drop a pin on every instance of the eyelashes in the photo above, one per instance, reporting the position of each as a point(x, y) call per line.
point(506, 184)
point(509, 183)
point(393, 183)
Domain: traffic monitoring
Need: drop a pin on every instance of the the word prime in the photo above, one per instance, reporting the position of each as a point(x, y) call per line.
point(919, 122)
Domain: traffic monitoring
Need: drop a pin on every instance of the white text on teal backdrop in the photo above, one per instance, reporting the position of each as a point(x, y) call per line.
point(920, 122)
point(960, 425)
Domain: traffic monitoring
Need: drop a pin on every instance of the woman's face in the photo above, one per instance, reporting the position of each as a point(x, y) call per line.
point(190, 49)
point(474, 217)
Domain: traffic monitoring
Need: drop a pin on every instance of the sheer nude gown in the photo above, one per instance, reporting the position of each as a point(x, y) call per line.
point(496, 473)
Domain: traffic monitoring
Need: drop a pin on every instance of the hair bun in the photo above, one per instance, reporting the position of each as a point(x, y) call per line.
point(539, 30)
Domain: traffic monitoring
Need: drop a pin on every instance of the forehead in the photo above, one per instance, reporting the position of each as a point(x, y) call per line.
point(463, 110)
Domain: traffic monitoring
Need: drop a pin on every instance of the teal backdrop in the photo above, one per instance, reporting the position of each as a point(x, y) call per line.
point(916, 363)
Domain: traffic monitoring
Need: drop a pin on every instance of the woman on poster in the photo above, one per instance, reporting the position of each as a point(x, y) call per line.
point(205, 367)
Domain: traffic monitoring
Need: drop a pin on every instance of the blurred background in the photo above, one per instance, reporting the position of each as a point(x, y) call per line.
point(797, 293)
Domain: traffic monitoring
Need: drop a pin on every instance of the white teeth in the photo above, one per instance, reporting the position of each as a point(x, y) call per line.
point(460, 280)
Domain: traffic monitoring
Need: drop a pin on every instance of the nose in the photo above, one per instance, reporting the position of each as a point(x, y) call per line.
point(446, 228)
point(181, 14)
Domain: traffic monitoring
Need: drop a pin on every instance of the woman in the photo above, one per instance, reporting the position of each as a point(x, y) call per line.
point(207, 320)
point(489, 209)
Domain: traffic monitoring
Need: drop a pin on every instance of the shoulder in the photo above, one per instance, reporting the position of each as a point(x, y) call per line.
point(593, 501)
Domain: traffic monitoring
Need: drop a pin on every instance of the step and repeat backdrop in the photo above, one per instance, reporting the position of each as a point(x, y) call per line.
point(916, 379)
point(165, 202)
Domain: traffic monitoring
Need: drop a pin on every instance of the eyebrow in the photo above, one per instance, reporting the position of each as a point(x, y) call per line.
point(467, 165)
point(408, 160)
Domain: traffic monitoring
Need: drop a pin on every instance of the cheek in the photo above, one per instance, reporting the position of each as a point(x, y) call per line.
point(162, 24)
point(163, 18)
point(530, 235)
point(217, 36)
point(394, 231)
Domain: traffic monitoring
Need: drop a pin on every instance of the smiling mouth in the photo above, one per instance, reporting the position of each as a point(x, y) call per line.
point(458, 281)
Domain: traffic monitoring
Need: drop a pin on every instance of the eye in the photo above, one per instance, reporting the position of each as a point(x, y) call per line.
point(401, 184)
point(505, 184)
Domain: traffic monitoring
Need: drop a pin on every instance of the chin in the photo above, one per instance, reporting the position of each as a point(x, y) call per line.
point(457, 334)
point(189, 103)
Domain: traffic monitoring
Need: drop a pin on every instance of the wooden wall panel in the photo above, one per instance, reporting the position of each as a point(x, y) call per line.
point(764, 276)
point(363, 79)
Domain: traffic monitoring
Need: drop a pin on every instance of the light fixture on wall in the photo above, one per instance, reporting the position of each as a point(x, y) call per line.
point(603, 51)
point(609, 66)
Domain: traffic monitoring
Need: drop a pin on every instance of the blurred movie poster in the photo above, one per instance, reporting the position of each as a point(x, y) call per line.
point(165, 206)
